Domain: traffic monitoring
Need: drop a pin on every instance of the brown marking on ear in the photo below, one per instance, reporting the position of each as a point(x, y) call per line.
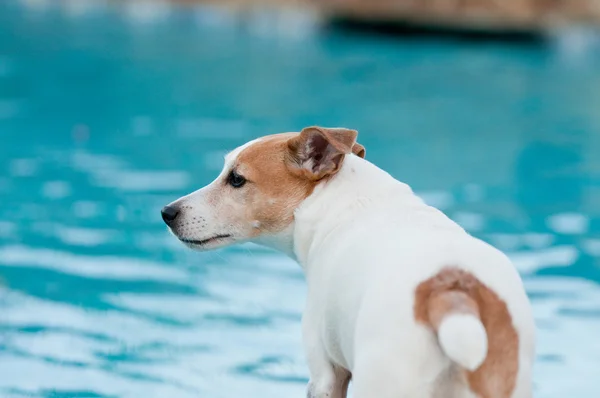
point(453, 290)
point(340, 138)
point(359, 150)
point(318, 152)
point(273, 190)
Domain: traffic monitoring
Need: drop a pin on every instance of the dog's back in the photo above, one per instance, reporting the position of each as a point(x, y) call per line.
point(406, 290)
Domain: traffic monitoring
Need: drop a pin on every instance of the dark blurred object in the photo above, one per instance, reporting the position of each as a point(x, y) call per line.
point(491, 16)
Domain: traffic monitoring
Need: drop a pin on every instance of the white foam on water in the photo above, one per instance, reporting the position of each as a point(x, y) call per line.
point(142, 181)
point(591, 246)
point(439, 199)
point(569, 223)
point(105, 267)
point(558, 256)
point(77, 236)
point(537, 241)
point(506, 242)
point(85, 209)
point(474, 193)
point(470, 221)
point(56, 189)
point(566, 366)
point(23, 167)
point(7, 229)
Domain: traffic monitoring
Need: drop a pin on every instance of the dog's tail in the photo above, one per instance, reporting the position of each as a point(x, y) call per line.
point(448, 303)
point(462, 337)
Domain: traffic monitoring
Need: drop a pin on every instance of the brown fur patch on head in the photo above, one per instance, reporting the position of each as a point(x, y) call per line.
point(274, 192)
point(453, 290)
point(281, 171)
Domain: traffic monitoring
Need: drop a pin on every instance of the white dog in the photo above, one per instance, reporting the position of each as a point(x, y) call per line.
point(400, 298)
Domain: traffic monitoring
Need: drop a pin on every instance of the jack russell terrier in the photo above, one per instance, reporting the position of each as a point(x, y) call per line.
point(400, 298)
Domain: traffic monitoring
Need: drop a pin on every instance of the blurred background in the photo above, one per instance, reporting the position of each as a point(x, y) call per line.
point(111, 109)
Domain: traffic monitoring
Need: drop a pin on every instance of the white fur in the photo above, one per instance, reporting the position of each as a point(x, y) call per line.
point(365, 242)
point(464, 340)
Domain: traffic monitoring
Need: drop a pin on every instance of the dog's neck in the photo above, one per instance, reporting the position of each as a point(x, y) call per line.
point(358, 188)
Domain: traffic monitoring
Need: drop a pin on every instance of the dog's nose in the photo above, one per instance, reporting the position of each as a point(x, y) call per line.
point(169, 214)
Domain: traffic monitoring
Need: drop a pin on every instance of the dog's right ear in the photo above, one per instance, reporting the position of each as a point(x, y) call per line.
point(359, 150)
point(318, 152)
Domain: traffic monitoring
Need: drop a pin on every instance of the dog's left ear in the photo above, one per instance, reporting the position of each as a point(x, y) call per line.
point(318, 152)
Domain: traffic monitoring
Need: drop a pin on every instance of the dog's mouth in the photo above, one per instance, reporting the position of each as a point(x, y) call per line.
point(202, 242)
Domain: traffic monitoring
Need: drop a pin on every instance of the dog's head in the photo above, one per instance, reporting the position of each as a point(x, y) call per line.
point(262, 183)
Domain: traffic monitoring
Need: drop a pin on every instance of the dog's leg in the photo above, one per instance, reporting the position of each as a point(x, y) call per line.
point(330, 382)
point(326, 379)
point(369, 384)
point(382, 374)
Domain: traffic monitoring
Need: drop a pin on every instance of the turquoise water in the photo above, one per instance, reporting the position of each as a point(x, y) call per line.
point(106, 116)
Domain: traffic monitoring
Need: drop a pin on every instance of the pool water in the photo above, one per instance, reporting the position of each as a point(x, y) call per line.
point(107, 114)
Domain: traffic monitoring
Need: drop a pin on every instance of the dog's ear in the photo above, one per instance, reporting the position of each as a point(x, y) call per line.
point(359, 150)
point(318, 151)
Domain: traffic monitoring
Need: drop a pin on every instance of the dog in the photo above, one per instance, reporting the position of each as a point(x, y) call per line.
point(401, 299)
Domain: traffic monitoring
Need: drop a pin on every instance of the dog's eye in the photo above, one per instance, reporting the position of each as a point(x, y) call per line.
point(235, 180)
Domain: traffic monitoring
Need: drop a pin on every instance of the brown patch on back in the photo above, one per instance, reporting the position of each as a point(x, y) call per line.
point(275, 191)
point(453, 290)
